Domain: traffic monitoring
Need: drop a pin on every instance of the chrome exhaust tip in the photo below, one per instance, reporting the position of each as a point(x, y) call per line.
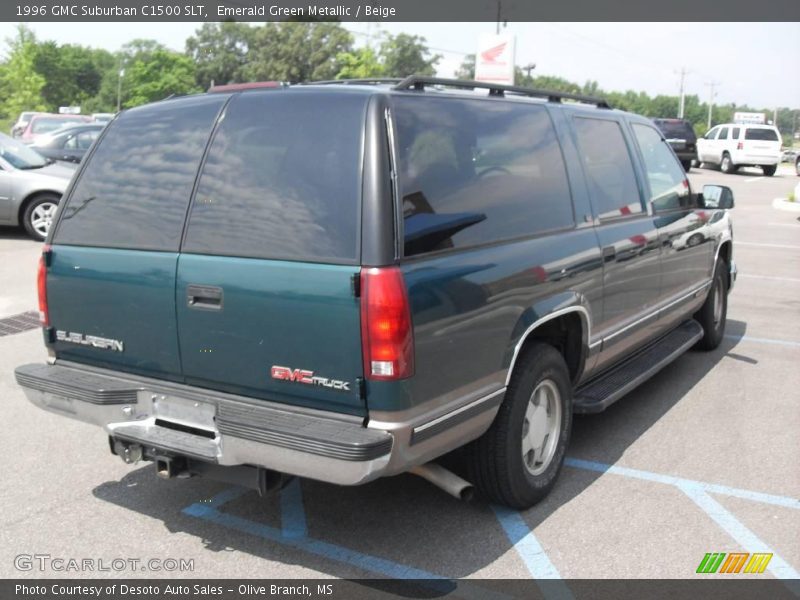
point(445, 480)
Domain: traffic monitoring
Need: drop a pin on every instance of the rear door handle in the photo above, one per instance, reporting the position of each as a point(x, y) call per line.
point(205, 297)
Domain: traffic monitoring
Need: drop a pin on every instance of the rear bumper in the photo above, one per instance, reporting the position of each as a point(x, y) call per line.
point(178, 420)
point(742, 158)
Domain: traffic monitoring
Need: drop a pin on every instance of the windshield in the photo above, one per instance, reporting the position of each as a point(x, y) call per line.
point(19, 155)
point(47, 125)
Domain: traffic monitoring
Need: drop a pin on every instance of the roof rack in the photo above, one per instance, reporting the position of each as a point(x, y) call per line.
point(371, 80)
point(418, 82)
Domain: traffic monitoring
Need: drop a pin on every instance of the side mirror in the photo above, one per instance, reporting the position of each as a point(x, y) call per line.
point(717, 196)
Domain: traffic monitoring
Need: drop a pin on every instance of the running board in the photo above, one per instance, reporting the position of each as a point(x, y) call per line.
point(600, 393)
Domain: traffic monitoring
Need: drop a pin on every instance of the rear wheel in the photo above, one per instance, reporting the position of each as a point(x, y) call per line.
point(727, 166)
point(769, 170)
point(713, 314)
point(517, 461)
point(39, 214)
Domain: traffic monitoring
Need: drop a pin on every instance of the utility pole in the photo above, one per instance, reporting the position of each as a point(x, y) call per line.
point(712, 85)
point(682, 105)
point(497, 28)
point(528, 68)
point(120, 75)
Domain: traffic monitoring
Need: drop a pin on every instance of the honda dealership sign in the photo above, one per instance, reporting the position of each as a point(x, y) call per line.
point(494, 61)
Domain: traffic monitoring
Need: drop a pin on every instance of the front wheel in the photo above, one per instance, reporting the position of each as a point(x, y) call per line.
point(769, 170)
point(517, 461)
point(713, 314)
point(39, 214)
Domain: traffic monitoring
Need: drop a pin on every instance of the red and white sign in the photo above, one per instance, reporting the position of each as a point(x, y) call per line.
point(494, 61)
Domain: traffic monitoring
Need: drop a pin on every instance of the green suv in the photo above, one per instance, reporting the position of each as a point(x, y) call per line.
point(350, 280)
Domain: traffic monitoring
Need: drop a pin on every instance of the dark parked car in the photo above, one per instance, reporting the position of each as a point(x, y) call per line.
point(681, 136)
point(345, 282)
point(68, 143)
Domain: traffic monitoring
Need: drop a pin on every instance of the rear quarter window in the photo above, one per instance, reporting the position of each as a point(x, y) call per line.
point(475, 171)
point(766, 135)
point(282, 179)
point(135, 189)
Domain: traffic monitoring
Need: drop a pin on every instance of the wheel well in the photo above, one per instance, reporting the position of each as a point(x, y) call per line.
point(31, 197)
point(725, 253)
point(565, 334)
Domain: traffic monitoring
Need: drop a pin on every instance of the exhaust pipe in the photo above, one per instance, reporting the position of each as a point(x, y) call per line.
point(445, 480)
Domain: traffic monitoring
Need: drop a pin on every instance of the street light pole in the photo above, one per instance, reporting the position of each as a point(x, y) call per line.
point(120, 75)
point(681, 106)
point(712, 85)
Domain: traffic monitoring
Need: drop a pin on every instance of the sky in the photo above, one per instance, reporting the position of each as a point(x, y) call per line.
point(751, 63)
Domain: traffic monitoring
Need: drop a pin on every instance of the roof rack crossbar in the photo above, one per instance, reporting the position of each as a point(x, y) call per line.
point(394, 80)
point(418, 83)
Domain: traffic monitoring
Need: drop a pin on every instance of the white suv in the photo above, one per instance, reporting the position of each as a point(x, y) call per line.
point(737, 145)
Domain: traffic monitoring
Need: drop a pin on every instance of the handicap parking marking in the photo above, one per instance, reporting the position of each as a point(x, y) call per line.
point(294, 534)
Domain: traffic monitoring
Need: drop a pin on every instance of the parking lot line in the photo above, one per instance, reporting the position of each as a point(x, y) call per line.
point(758, 340)
point(743, 536)
point(713, 488)
point(759, 244)
point(752, 179)
point(530, 551)
point(749, 276)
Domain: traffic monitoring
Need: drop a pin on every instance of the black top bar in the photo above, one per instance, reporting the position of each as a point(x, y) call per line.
point(378, 80)
point(418, 82)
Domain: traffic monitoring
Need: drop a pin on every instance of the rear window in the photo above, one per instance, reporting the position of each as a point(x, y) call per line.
point(476, 171)
point(282, 179)
point(766, 135)
point(673, 129)
point(136, 187)
point(45, 125)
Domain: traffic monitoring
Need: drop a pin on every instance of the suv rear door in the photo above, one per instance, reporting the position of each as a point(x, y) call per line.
point(111, 281)
point(761, 144)
point(265, 286)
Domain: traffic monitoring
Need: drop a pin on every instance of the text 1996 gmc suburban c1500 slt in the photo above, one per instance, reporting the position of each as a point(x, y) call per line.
point(348, 280)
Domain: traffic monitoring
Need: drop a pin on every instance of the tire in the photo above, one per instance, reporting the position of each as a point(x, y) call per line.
point(38, 215)
point(769, 170)
point(687, 165)
point(727, 166)
point(712, 316)
point(495, 462)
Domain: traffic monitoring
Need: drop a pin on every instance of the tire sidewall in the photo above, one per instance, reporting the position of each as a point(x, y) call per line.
point(713, 334)
point(525, 485)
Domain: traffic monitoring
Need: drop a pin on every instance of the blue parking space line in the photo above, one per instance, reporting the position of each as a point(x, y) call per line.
point(743, 536)
point(759, 340)
point(293, 513)
point(714, 488)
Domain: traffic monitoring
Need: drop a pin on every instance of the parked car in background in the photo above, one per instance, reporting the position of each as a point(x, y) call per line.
point(30, 187)
point(43, 123)
point(102, 117)
point(735, 145)
point(21, 123)
point(68, 143)
point(681, 137)
point(789, 155)
point(385, 273)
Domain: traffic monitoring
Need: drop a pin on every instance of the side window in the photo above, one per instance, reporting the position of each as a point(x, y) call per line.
point(134, 191)
point(282, 179)
point(664, 173)
point(712, 135)
point(85, 139)
point(71, 143)
point(608, 167)
point(735, 133)
point(723, 134)
point(477, 171)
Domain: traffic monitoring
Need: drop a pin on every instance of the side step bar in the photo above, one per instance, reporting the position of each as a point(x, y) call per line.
point(600, 393)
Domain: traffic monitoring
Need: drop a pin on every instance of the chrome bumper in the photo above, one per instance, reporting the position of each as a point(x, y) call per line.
point(228, 430)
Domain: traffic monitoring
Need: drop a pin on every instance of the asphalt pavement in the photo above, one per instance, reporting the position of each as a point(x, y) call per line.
point(702, 458)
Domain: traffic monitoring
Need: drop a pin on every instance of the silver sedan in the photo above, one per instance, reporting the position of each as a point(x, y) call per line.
point(30, 187)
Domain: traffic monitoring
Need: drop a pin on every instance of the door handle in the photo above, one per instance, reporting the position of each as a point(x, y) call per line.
point(609, 253)
point(205, 297)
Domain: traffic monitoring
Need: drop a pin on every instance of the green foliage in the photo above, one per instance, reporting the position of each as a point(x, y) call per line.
point(161, 74)
point(467, 68)
point(220, 52)
point(403, 55)
point(359, 64)
point(21, 85)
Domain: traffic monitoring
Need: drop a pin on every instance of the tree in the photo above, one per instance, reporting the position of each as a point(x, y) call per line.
point(21, 84)
point(403, 55)
point(220, 51)
point(296, 51)
point(467, 68)
point(161, 74)
point(359, 64)
point(72, 74)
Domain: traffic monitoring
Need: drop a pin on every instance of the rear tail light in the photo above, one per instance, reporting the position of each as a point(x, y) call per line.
point(41, 286)
point(740, 146)
point(386, 333)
